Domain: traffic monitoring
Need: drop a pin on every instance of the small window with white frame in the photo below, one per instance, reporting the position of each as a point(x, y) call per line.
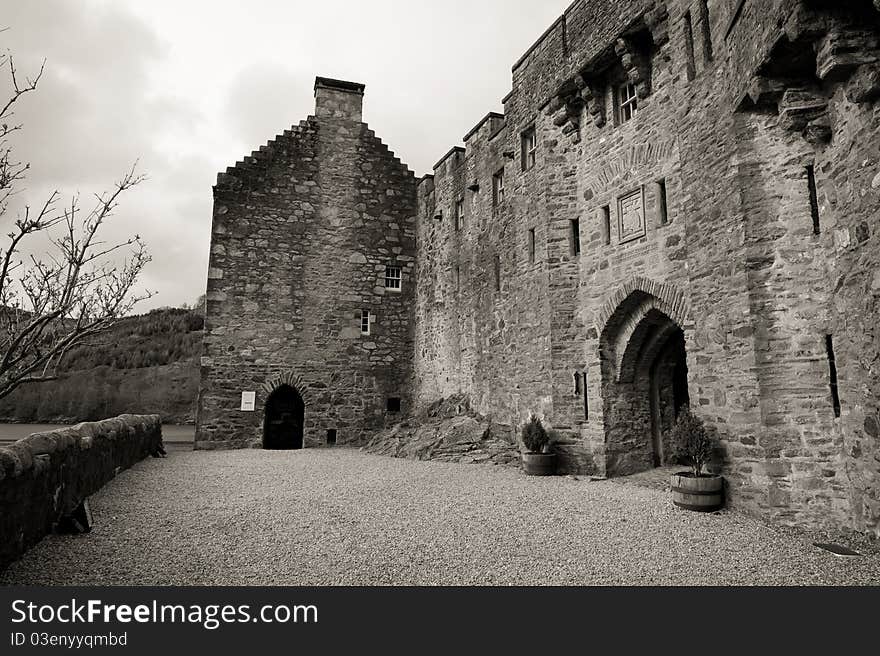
point(393, 278)
point(459, 214)
point(498, 187)
point(627, 102)
point(529, 148)
point(366, 320)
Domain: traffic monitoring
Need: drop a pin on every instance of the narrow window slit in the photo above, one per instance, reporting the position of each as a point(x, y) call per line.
point(689, 46)
point(707, 30)
point(832, 367)
point(606, 224)
point(814, 199)
point(662, 205)
point(586, 399)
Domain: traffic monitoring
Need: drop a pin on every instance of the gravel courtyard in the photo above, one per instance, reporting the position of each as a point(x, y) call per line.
point(327, 517)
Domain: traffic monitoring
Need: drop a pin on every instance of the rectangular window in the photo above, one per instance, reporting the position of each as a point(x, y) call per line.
point(814, 199)
point(706, 29)
point(498, 188)
point(689, 46)
point(529, 148)
point(331, 437)
point(532, 245)
point(458, 277)
point(459, 215)
point(574, 234)
point(606, 224)
point(393, 278)
point(366, 318)
point(586, 398)
point(662, 207)
point(497, 273)
point(393, 404)
point(627, 102)
point(832, 366)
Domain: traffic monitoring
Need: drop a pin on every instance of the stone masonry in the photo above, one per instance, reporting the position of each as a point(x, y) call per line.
point(727, 229)
point(680, 204)
point(304, 230)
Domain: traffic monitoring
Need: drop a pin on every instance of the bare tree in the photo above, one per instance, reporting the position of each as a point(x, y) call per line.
point(80, 284)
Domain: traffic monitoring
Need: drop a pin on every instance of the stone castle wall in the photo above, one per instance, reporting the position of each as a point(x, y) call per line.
point(717, 249)
point(728, 124)
point(303, 231)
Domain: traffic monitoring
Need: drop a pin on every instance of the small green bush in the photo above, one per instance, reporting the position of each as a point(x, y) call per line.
point(693, 442)
point(534, 437)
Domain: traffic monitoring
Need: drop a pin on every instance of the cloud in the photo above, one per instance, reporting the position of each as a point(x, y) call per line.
point(263, 100)
point(188, 88)
point(95, 112)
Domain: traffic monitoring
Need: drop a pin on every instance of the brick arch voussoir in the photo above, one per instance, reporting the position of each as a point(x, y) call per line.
point(617, 343)
point(668, 298)
point(289, 378)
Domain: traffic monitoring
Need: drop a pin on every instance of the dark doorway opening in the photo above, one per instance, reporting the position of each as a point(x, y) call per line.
point(644, 384)
point(669, 393)
point(331, 437)
point(283, 423)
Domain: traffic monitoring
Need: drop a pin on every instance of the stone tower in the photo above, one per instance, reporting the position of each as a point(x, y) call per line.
point(308, 329)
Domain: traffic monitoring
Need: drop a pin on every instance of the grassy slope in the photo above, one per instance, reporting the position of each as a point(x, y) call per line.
point(144, 364)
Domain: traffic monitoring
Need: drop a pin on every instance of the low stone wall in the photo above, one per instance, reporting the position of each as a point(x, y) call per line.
point(46, 476)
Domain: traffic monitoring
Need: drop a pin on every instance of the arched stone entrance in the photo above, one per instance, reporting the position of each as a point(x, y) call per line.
point(644, 377)
point(284, 419)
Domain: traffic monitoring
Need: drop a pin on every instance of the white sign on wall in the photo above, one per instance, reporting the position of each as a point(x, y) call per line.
point(248, 401)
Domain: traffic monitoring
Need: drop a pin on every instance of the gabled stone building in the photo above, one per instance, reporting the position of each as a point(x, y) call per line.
point(680, 204)
point(308, 331)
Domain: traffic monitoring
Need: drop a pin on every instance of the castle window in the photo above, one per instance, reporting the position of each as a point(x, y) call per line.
point(706, 29)
point(459, 215)
point(497, 273)
point(393, 278)
point(832, 366)
point(574, 235)
point(331, 437)
point(498, 188)
point(458, 278)
point(689, 46)
point(627, 102)
point(605, 217)
point(814, 199)
point(366, 319)
point(529, 148)
point(393, 404)
point(586, 398)
point(532, 245)
point(661, 203)
point(577, 384)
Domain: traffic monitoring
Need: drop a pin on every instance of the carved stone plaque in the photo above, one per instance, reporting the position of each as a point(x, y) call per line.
point(631, 216)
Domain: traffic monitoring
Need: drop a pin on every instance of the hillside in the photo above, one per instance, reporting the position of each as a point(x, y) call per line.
point(147, 364)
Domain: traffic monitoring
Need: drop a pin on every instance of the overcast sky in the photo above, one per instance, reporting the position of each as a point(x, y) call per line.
point(187, 87)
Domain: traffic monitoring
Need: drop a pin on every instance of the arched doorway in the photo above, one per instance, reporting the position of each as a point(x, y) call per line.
point(283, 423)
point(644, 383)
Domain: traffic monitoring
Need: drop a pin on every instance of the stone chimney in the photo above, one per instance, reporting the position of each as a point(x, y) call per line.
point(339, 99)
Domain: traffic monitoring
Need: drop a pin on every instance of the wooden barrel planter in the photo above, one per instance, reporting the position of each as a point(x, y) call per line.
point(539, 464)
point(703, 494)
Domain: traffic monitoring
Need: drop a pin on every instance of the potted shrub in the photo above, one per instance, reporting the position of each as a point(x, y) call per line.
point(538, 459)
point(695, 445)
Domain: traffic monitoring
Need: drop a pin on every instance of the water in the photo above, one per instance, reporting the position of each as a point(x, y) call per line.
point(176, 437)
